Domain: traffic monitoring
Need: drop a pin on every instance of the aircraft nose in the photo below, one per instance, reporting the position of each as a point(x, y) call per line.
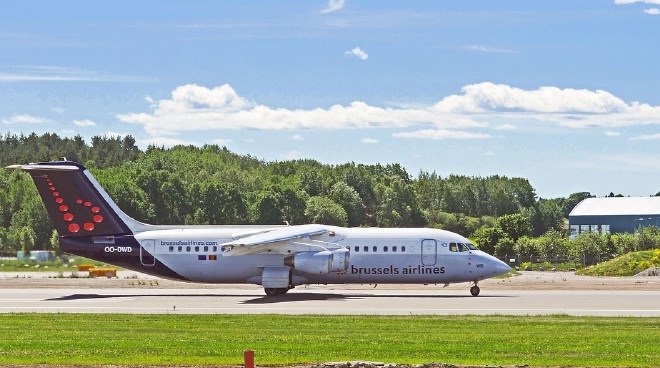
point(501, 267)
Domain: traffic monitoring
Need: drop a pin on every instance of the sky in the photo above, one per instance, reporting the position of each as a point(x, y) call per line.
point(564, 93)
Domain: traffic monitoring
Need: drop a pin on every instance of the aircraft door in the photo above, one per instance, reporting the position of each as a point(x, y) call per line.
point(147, 251)
point(429, 252)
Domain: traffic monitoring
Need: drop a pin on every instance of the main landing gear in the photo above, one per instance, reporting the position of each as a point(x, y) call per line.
point(474, 290)
point(275, 291)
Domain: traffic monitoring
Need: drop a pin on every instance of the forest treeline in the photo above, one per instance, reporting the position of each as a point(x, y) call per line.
point(212, 185)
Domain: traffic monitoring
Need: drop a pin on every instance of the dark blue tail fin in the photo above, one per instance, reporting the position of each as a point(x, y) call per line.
point(76, 203)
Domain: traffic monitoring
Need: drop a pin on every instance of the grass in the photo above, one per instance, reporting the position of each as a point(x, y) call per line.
point(626, 265)
point(102, 339)
point(15, 265)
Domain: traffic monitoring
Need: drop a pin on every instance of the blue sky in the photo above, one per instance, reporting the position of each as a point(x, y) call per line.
point(562, 92)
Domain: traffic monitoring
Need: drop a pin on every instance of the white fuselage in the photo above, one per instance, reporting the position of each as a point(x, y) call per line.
point(376, 256)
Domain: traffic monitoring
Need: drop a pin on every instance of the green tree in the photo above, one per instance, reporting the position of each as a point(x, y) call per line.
point(514, 226)
point(321, 210)
point(350, 200)
point(55, 242)
point(527, 249)
point(588, 248)
point(267, 210)
point(487, 238)
point(505, 249)
point(553, 247)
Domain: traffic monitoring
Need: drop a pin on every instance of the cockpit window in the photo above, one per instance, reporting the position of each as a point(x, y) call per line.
point(470, 246)
point(461, 247)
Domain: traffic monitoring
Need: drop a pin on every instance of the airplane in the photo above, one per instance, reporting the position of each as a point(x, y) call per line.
point(278, 257)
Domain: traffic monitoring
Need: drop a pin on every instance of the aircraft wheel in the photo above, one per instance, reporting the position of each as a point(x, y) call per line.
point(275, 291)
point(475, 290)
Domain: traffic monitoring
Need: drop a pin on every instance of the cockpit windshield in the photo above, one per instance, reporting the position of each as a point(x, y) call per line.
point(461, 247)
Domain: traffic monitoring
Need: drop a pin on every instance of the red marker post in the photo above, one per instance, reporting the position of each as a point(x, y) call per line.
point(248, 359)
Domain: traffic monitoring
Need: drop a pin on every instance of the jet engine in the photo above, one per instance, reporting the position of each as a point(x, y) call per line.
point(319, 262)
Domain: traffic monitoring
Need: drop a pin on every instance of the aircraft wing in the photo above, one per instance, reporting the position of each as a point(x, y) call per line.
point(284, 240)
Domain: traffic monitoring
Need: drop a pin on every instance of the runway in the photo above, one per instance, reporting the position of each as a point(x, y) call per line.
point(321, 300)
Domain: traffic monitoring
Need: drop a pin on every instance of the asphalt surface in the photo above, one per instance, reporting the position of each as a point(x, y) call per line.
point(531, 294)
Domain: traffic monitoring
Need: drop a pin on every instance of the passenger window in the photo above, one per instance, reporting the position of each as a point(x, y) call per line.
point(215, 249)
point(171, 249)
point(188, 248)
point(385, 248)
point(366, 249)
point(394, 248)
point(375, 249)
point(206, 249)
point(180, 248)
point(357, 249)
point(196, 249)
point(403, 248)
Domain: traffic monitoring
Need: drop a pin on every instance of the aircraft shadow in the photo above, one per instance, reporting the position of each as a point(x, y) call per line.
point(110, 296)
point(288, 298)
point(300, 297)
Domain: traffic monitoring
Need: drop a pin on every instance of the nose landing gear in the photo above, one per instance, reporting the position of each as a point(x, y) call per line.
point(474, 290)
point(275, 291)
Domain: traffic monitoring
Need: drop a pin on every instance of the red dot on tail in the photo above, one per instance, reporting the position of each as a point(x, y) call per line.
point(87, 204)
point(97, 218)
point(59, 200)
point(67, 217)
point(74, 228)
point(56, 194)
point(52, 188)
point(64, 208)
point(96, 209)
point(79, 201)
point(89, 226)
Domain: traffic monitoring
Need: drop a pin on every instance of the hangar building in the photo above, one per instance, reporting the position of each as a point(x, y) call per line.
point(614, 215)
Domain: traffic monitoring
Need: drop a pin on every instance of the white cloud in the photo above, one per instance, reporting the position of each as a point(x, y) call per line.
point(25, 119)
point(357, 52)
point(297, 137)
point(625, 2)
point(84, 123)
point(221, 141)
point(482, 105)
point(610, 133)
point(652, 11)
point(440, 134)
point(293, 155)
point(489, 49)
point(649, 137)
point(62, 74)
point(333, 6)
point(368, 140)
point(505, 127)
point(192, 107)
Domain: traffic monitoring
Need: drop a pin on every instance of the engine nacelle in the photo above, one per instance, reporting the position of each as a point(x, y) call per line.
point(319, 262)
